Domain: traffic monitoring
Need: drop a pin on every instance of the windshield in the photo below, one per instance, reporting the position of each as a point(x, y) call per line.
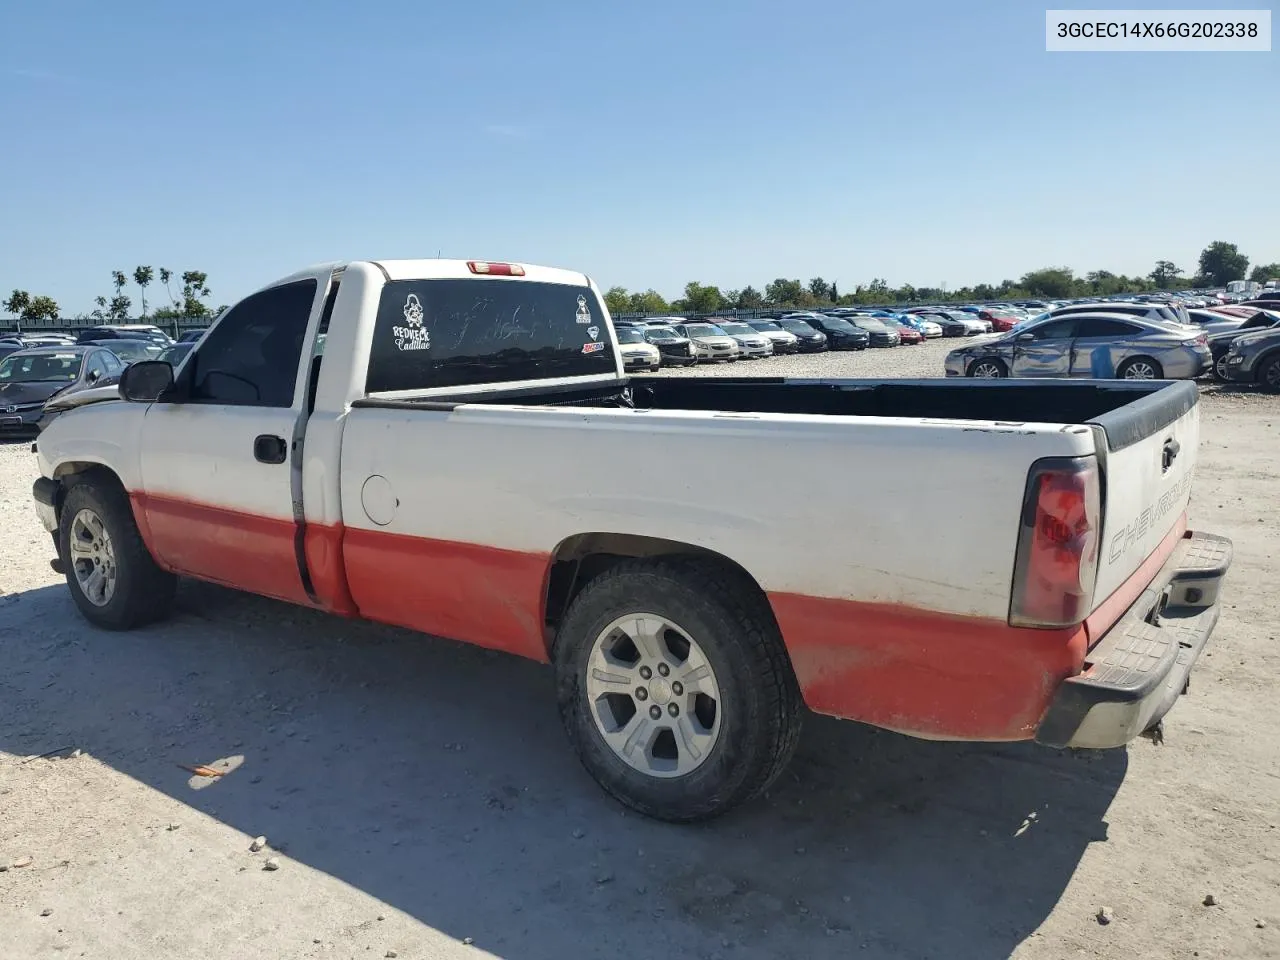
point(41, 367)
point(737, 329)
point(630, 335)
point(765, 326)
point(704, 330)
point(870, 323)
point(662, 334)
point(797, 326)
point(835, 323)
point(173, 356)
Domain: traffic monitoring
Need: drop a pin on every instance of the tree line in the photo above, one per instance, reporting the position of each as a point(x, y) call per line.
point(1219, 264)
point(186, 302)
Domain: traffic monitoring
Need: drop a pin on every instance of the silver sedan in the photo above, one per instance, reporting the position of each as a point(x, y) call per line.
point(1095, 345)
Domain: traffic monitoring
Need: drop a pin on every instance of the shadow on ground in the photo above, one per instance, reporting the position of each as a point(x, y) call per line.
point(435, 777)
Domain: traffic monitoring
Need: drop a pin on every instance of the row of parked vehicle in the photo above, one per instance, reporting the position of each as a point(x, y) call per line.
point(1145, 338)
point(43, 374)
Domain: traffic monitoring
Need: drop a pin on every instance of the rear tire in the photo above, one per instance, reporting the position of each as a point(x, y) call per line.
point(1269, 375)
point(1140, 368)
point(1220, 368)
point(631, 643)
point(111, 574)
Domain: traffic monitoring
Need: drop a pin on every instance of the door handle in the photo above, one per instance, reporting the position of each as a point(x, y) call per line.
point(1171, 450)
point(269, 449)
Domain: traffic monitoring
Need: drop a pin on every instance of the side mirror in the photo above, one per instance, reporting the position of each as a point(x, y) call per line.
point(144, 381)
point(92, 376)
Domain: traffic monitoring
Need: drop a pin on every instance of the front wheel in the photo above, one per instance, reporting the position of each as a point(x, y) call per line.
point(675, 689)
point(111, 574)
point(1140, 368)
point(988, 368)
point(1220, 368)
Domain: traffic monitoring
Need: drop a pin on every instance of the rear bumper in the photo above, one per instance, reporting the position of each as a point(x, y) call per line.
point(1135, 673)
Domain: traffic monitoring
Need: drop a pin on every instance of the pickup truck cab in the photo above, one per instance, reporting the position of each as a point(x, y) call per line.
point(466, 457)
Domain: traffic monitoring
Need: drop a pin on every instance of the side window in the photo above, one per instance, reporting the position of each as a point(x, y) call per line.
point(1102, 327)
point(1062, 329)
point(251, 357)
point(112, 362)
point(95, 367)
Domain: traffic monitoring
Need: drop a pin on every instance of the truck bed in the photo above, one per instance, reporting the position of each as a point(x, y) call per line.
point(1125, 410)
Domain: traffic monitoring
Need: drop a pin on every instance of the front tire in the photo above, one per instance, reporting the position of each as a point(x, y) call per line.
point(675, 688)
point(1140, 368)
point(988, 368)
point(1220, 368)
point(111, 574)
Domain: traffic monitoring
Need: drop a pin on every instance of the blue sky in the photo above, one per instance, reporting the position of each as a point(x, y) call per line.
point(647, 144)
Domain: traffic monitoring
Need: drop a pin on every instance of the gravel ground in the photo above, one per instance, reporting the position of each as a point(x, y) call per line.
point(917, 360)
point(419, 800)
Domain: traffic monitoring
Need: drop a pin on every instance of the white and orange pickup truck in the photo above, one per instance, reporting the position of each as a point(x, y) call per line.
point(452, 446)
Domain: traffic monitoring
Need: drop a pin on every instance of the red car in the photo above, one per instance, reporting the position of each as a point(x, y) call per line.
point(999, 322)
point(906, 333)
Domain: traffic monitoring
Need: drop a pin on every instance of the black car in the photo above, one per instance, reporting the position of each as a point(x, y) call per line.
point(841, 334)
point(808, 340)
point(32, 377)
point(191, 336)
point(177, 353)
point(676, 350)
point(1220, 343)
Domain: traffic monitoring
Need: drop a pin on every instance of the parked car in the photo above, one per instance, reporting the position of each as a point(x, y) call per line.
point(1096, 345)
point(709, 341)
point(10, 345)
point(1151, 311)
point(175, 354)
point(29, 378)
point(1210, 321)
point(130, 350)
point(753, 343)
point(784, 341)
point(1254, 357)
point(926, 327)
point(808, 339)
point(907, 333)
point(1000, 322)
point(191, 336)
point(637, 353)
point(675, 350)
point(879, 334)
point(520, 498)
point(1220, 343)
point(953, 324)
point(840, 333)
point(124, 331)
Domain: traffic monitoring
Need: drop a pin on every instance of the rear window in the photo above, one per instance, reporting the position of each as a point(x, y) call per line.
point(448, 333)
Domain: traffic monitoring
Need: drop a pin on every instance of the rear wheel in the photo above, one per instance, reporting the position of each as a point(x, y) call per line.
point(1269, 375)
point(1140, 368)
point(988, 368)
point(111, 574)
point(675, 688)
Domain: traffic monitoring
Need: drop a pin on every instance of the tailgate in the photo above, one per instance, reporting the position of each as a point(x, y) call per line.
point(1148, 466)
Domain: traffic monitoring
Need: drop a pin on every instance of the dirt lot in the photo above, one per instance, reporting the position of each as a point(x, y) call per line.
point(417, 793)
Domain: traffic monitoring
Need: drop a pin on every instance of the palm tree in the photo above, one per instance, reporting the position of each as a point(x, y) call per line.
point(142, 276)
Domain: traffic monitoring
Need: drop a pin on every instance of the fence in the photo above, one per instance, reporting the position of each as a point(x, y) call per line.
point(175, 327)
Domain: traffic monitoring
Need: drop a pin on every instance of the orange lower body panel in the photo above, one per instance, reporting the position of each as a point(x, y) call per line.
point(920, 672)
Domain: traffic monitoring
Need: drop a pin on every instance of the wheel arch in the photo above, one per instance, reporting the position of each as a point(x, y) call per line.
point(579, 558)
point(70, 472)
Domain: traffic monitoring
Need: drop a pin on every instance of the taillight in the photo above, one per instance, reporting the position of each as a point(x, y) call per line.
point(1057, 561)
point(496, 269)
